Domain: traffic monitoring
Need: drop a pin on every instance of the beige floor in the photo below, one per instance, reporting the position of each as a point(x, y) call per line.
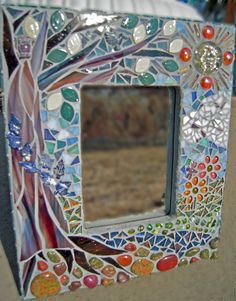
point(203, 281)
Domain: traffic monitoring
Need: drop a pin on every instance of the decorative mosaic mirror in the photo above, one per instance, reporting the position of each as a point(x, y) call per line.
point(116, 140)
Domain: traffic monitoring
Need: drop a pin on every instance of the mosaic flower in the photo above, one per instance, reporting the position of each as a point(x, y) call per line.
point(195, 189)
point(209, 168)
point(209, 56)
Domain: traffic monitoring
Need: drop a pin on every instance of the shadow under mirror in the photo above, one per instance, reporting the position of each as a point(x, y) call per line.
point(126, 135)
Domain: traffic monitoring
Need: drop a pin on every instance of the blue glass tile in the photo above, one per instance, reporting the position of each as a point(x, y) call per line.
point(113, 234)
point(194, 95)
point(139, 239)
point(148, 235)
point(140, 234)
point(118, 241)
point(74, 130)
point(208, 93)
point(75, 161)
point(155, 248)
point(48, 135)
point(98, 237)
point(72, 140)
point(44, 116)
point(159, 238)
point(196, 105)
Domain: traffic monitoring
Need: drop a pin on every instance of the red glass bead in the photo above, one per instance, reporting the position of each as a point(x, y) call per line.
point(42, 265)
point(130, 247)
point(217, 167)
point(202, 174)
point(215, 159)
point(64, 280)
point(201, 166)
point(185, 54)
point(206, 82)
point(228, 58)
point(208, 32)
point(194, 259)
point(213, 175)
point(167, 263)
point(124, 260)
point(207, 159)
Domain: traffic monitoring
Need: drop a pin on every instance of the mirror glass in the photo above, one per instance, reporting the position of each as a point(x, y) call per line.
point(125, 133)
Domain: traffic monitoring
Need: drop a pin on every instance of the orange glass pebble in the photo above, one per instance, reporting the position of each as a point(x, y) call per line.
point(42, 265)
point(208, 32)
point(199, 197)
point(45, 285)
point(195, 180)
point(107, 282)
point(124, 260)
point(228, 58)
point(185, 54)
point(188, 185)
point(203, 190)
point(187, 192)
point(202, 183)
point(189, 199)
point(206, 82)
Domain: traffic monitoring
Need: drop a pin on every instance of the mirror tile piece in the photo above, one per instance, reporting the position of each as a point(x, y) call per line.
point(48, 55)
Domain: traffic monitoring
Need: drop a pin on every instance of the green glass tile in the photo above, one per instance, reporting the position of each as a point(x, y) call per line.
point(61, 144)
point(67, 111)
point(57, 20)
point(130, 21)
point(74, 150)
point(75, 179)
point(50, 147)
point(147, 79)
point(152, 26)
point(170, 65)
point(57, 55)
point(63, 123)
point(70, 94)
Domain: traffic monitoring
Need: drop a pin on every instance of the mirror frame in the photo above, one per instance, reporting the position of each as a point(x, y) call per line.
point(42, 83)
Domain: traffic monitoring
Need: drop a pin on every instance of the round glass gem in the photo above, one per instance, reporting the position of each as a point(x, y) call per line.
point(228, 58)
point(206, 83)
point(208, 32)
point(185, 54)
point(207, 58)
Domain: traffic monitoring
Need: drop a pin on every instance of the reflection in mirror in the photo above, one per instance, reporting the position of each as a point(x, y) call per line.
point(124, 137)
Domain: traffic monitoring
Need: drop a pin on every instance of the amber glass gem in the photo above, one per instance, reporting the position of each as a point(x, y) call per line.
point(206, 82)
point(185, 54)
point(228, 58)
point(124, 260)
point(208, 32)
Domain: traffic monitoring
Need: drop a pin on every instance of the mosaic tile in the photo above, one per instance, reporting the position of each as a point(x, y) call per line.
point(51, 53)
